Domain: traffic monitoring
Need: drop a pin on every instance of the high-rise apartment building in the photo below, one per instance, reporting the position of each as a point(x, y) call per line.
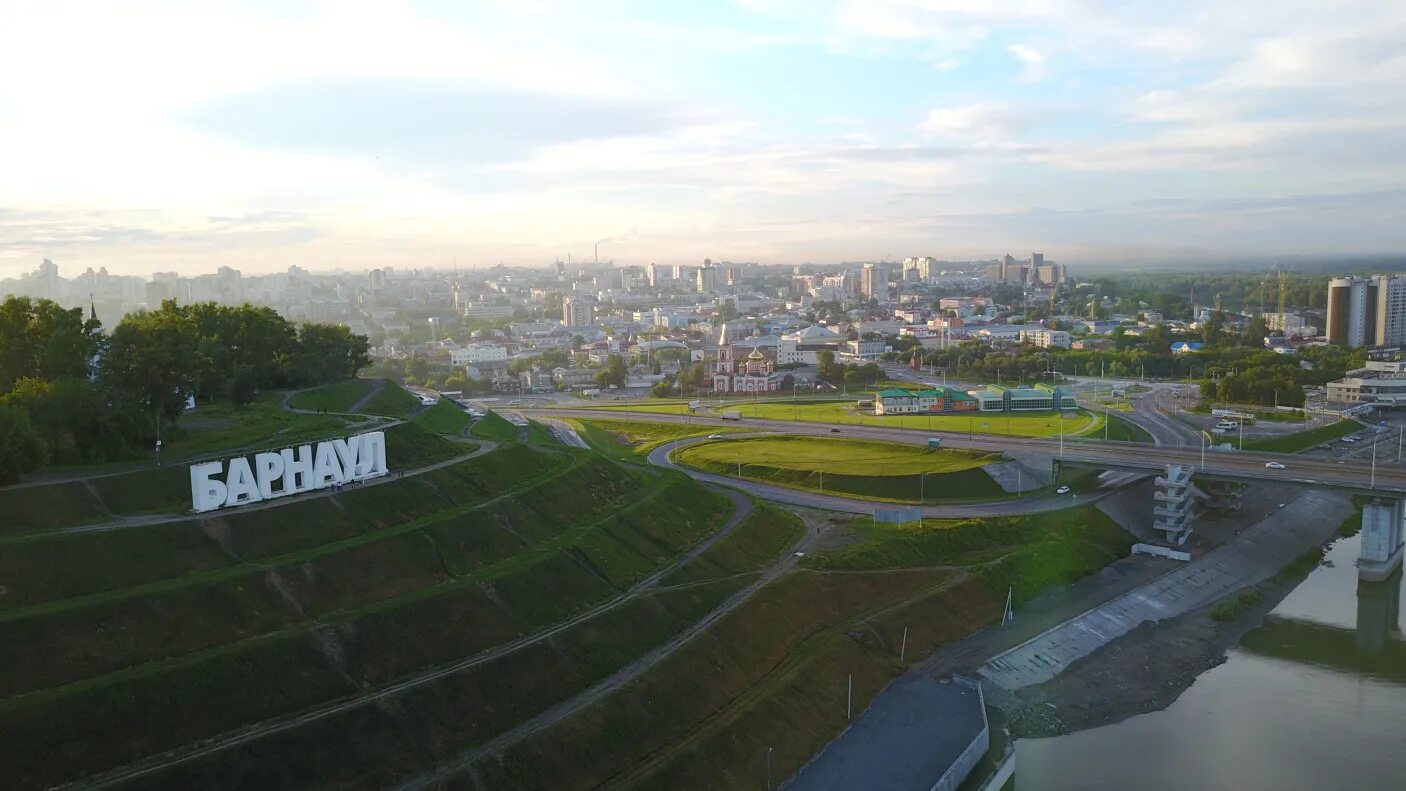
point(871, 282)
point(1367, 311)
point(707, 279)
point(656, 273)
point(578, 311)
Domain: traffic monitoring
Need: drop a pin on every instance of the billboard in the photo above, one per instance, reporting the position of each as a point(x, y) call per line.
point(237, 481)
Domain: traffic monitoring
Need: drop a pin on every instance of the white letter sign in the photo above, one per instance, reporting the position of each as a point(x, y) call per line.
point(301, 469)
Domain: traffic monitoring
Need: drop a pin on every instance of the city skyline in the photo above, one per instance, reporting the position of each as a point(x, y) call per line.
point(337, 135)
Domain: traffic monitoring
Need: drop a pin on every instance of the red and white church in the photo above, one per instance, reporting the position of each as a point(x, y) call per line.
point(745, 367)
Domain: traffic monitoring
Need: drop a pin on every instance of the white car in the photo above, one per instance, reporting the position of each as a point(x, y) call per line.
point(1274, 465)
point(715, 436)
point(1062, 490)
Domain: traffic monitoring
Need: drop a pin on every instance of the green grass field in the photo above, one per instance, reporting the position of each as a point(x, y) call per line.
point(1119, 429)
point(1303, 440)
point(336, 397)
point(858, 457)
point(493, 427)
point(872, 470)
point(443, 418)
point(392, 401)
point(633, 440)
point(1039, 425)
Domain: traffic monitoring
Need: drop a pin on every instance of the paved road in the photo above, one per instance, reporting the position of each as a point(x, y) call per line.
point(1248, 465)
point(1254, 556)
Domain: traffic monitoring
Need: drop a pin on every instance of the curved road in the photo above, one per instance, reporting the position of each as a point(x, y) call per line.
point(1247, 465)
point(781, 494)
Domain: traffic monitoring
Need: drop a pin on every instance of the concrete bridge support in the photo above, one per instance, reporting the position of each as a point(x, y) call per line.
point(1378, 612)
point(1383, 525)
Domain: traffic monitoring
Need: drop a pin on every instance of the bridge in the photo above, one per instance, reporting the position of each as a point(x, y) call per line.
point(1383, 488)
point(1374, 647)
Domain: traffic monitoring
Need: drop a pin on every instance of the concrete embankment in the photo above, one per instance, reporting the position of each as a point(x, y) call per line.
point(1256, 555)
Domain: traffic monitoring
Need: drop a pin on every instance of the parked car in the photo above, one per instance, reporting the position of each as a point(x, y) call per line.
point(1274, 465)
point(1062, 490)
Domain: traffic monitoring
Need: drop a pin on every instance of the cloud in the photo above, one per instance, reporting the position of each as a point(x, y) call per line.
point(985, 120)
point(1035, 69)
point(420, 123)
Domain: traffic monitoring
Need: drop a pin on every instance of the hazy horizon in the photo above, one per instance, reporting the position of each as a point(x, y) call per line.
point(150, 138)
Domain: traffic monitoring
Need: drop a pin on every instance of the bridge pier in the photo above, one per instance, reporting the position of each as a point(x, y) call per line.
point(1378, 612)
point(1383, 525)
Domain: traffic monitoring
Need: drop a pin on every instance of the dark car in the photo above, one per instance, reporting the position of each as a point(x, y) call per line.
point(834, 431)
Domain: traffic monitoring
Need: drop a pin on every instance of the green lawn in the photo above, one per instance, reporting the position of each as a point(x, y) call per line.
point(633, 440)
point(220, 426)
point(1302, 440)
point(1031, 425)
point(493, 426)
point(873, 470)
point(443, 418)
point(392, 401)
point(1120, 430)
point(336, 397)
point(859, 457)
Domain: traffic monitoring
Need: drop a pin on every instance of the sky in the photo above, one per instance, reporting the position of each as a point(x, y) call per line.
point(189, 135)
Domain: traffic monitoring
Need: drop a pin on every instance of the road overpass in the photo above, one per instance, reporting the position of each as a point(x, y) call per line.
point(1383, 487)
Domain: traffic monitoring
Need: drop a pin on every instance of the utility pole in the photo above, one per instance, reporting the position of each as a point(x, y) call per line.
point(1373, 484)
point(849, 699)
point(768, 769)
point(903, 649)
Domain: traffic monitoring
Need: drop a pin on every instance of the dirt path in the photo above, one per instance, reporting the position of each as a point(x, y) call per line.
point(742, 508)
point(624, 675)
point(377, 385)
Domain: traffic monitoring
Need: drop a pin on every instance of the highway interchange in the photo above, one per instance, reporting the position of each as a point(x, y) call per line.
point(1174, 446)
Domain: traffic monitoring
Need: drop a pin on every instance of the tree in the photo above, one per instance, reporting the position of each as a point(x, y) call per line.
point(614, 372)
point(151, 363)
point(243, 384)
point(827, 371)
point(21, 448)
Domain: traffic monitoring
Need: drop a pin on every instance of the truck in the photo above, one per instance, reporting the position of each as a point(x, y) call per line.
point(934, 442)
point(591, 392)
point(732, 415)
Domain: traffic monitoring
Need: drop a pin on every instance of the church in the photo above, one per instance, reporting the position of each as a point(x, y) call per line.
point(743, 366)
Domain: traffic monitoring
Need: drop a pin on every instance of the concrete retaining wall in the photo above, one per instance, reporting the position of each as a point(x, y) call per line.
point(960, 768)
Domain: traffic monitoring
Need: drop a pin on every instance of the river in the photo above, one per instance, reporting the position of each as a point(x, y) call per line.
point(1314, 699)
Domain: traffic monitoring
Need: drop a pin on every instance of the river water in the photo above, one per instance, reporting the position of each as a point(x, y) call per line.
point(1315, 699)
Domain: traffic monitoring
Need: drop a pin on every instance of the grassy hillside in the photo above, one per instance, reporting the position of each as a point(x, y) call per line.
point(493, 427)
point(876, 470)
point(443, 418)
point(1303, 440)
point(391, 401)
point(633, 440)
point(336, 397)
point(166, 490)
point(178, 632)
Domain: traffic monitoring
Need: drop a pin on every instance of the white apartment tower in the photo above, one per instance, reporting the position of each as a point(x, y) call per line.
point(1367, 311)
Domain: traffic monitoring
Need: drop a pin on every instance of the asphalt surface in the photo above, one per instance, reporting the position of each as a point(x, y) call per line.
point(1242, 465)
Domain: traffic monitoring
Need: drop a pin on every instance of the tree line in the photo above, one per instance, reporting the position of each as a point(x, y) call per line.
point(71, 392)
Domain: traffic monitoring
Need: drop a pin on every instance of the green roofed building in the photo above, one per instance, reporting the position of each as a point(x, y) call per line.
point(1040, 398)
point(939, 400)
